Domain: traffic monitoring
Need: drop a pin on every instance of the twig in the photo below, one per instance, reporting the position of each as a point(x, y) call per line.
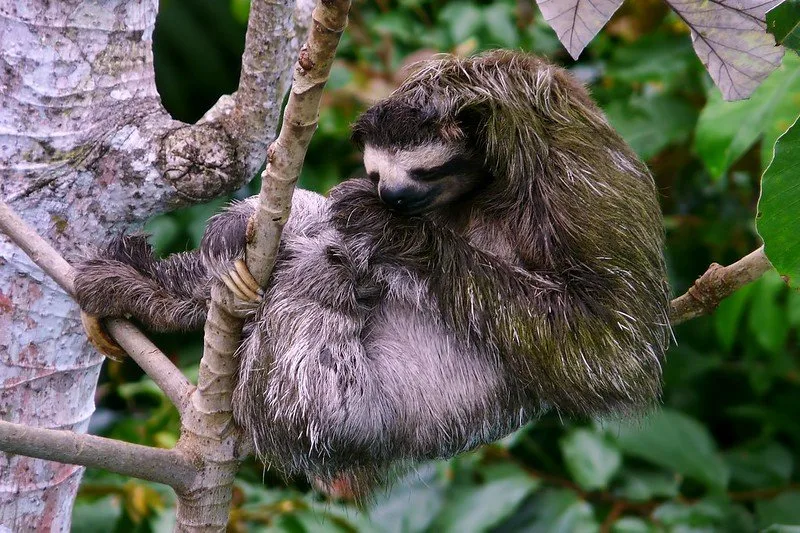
point(155, 364)
point(716, 284)
point(285, 156)
point(152, 361)
point(144, 462)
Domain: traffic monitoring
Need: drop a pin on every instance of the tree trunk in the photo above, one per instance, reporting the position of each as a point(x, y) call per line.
point(86, 151)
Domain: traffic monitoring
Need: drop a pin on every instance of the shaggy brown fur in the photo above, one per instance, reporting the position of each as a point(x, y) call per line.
point(385, 337)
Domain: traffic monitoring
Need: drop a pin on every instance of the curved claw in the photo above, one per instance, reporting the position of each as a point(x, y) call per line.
point(247, 277)
point(241, 283)
point(100, 339)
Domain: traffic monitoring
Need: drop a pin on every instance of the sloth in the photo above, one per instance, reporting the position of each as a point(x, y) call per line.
point(501, 258)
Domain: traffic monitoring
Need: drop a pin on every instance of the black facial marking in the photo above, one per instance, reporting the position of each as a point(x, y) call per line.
point(374, 177)
point(455, 167)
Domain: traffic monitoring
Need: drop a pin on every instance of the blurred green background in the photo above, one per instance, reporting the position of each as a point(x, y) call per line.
point(721, 454)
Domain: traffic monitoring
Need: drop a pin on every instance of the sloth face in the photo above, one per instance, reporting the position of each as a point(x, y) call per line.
point(421, 179)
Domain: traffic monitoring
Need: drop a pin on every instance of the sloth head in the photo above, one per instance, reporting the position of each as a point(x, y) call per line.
point(491, 122)
point(418, 162)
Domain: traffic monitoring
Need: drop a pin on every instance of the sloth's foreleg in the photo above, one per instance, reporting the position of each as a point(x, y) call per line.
point(225, 240)
point(125, 280)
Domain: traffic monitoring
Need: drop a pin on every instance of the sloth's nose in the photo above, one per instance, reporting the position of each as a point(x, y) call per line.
point(400, 198)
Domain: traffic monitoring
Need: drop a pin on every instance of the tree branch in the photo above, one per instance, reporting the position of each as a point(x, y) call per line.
point(152, 361)
point(266, 67)
point(716, 284)
point(208, 429)
point(144, 462)
point(285, 156)
point(155, 364)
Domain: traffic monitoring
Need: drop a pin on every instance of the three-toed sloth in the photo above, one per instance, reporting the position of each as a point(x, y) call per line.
point(503, 257)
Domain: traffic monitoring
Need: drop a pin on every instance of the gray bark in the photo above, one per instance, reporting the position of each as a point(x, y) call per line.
point(86, 151)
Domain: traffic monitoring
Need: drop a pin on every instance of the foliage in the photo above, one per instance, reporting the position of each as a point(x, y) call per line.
point(721, 454)
point(783, 21)
point(776, 207)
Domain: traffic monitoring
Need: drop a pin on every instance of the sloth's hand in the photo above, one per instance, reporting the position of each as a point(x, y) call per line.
point(241, 282)
point(357, 209)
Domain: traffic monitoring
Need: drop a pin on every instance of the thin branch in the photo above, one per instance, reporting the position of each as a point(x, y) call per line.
point(144, 462)
point(716, 284)
point(208, 430)
point(37, 248)
point(285, 156)
point(155, 364)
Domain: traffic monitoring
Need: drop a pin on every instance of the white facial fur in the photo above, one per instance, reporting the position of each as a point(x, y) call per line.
point(393, 165)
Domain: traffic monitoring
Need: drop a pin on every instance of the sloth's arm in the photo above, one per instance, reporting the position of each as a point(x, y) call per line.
point(125, 280)
point(473, 288)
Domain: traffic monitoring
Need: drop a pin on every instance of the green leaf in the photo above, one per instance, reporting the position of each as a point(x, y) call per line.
point(463, 19)
point(780, 528)
point(728, 316)
point(642, 486)
point(412, 504)
point(779, 207)
point(709, 514)
point(651, 123)
point(630, 524)
point(783, 21)
point(793, 308)
point(660, 58)
point(702, 513)
point(782, 509)
point(590, 458)
point(674, 441)
point(561, 511)
point(726, 130)
point(499, 21)
point(768, 321)
point(98, 515)
point(479, 508)
point(770, 466)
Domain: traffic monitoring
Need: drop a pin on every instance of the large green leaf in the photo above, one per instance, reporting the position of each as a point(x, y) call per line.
point(412, 504)
point(561, 511)
point(590, 458)
point(770, 466)
point(726, 130)
point(782, 509)
point(478, 508)
point(641, 486)
point(98, 515)
point(779, 206)
point(651, 123)
point(705, 515)
point(674, 441)
point(630, 524)
point(783, 22)
point(768, 320)
point(728, 316)
point(463, 19)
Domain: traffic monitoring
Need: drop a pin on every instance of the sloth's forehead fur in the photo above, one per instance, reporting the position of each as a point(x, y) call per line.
point(389, 160)
point(393, 124)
